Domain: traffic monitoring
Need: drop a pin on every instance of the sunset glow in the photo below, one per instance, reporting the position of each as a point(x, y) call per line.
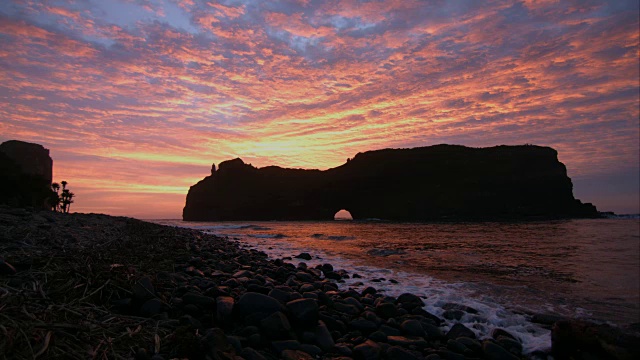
point(137, 98)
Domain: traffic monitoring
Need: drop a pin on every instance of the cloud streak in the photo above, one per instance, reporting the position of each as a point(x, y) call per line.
point(156, 90)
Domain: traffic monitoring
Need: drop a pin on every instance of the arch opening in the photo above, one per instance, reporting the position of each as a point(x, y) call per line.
point(343, 215)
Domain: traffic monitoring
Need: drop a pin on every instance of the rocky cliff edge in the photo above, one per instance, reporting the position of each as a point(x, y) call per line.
point(441, 182)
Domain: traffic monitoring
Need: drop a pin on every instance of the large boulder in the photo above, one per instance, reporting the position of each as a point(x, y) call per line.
point(303, 312)
point(252, 303)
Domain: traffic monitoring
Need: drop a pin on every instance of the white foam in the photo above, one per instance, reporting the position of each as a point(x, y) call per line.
point(491, 315)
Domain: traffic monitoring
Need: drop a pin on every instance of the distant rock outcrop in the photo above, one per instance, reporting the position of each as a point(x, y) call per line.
point(27, 170)
point(428, 183)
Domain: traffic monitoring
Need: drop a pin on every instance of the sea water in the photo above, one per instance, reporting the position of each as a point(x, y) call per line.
point(587, 268)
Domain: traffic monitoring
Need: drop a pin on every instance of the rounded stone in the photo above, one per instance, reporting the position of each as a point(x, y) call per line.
point(303, 312)
point(251, 302)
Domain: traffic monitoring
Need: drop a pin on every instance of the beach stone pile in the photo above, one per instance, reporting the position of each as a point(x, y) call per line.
point(244, 305)
point(179, 293)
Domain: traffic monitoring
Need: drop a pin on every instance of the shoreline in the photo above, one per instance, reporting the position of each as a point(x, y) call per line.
point(89, 285)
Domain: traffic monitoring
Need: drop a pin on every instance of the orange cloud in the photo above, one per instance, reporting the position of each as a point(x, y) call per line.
point(143, 104)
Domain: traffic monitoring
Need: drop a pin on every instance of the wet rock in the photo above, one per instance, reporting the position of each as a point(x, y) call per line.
point(235, 343)
point(398, 353)
point(371, 316)
point(509, 344)
point(310, 295)
point(406, 341)
point(450, 355)
point(311, 349)
point(247, 331)
point(453, 306)
point(296, 355)
point(378, 336)
point(363, 325)
point(214, 341)
point(306, 288)
point(249, 353)
point(369, 290)
point(368, 350)
point(496, 352)
point(305, 277)
point(575, 337)
point(326, 268)
point(329, 286)
point(386, 310)
point(332, 323)
point(546, 319)
point(150, 308)
point(304, 256)
point(192, 310)
point(303, 312)
point(276, 326)
point(390, 331)
point(431, 331)
point(322, 336)
point(409, 301)
point(453, 314)
point(332, 275)
point(501, 332)
point(199, 300)
point(412, 328)
point(343, 349)
point(459, 330)
point(232, 283)
point(280, 346)
point(456, 346)
point(251, 303)
point(258, 288)
point(353, 301)
point(346, 308)
point(243, 273)
point(193, 271)
point(224, 309)
point(280, 295)
point(473, 345)
point(427, 315)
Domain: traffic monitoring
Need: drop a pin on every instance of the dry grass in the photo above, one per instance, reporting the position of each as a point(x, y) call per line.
point(58, 304)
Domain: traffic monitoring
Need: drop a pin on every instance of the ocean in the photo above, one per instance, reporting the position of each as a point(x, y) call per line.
point(507, 271)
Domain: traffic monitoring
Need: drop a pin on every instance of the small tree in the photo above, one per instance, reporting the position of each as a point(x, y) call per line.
point(64, 199)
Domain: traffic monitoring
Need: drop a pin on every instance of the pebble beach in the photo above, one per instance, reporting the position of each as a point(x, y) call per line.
point(90, 286)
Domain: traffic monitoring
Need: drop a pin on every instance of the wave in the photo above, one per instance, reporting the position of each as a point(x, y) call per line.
point(230, 227)
point(622, 216)
point(267, 236)
point(385, 252)
point(332, 237)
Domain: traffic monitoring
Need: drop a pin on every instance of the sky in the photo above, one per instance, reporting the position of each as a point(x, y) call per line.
point(137, 98)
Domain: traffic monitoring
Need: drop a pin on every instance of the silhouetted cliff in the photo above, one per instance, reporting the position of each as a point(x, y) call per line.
point(27, 170)
point(427, 183)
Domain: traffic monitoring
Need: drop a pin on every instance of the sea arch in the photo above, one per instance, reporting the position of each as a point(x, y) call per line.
point(343, 214)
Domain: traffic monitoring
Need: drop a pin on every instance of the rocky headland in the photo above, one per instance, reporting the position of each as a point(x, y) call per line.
point(441, 182)
point(26, 171)
point(81, 286)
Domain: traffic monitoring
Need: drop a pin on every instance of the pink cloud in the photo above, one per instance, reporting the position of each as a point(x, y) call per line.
point(296, 84)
